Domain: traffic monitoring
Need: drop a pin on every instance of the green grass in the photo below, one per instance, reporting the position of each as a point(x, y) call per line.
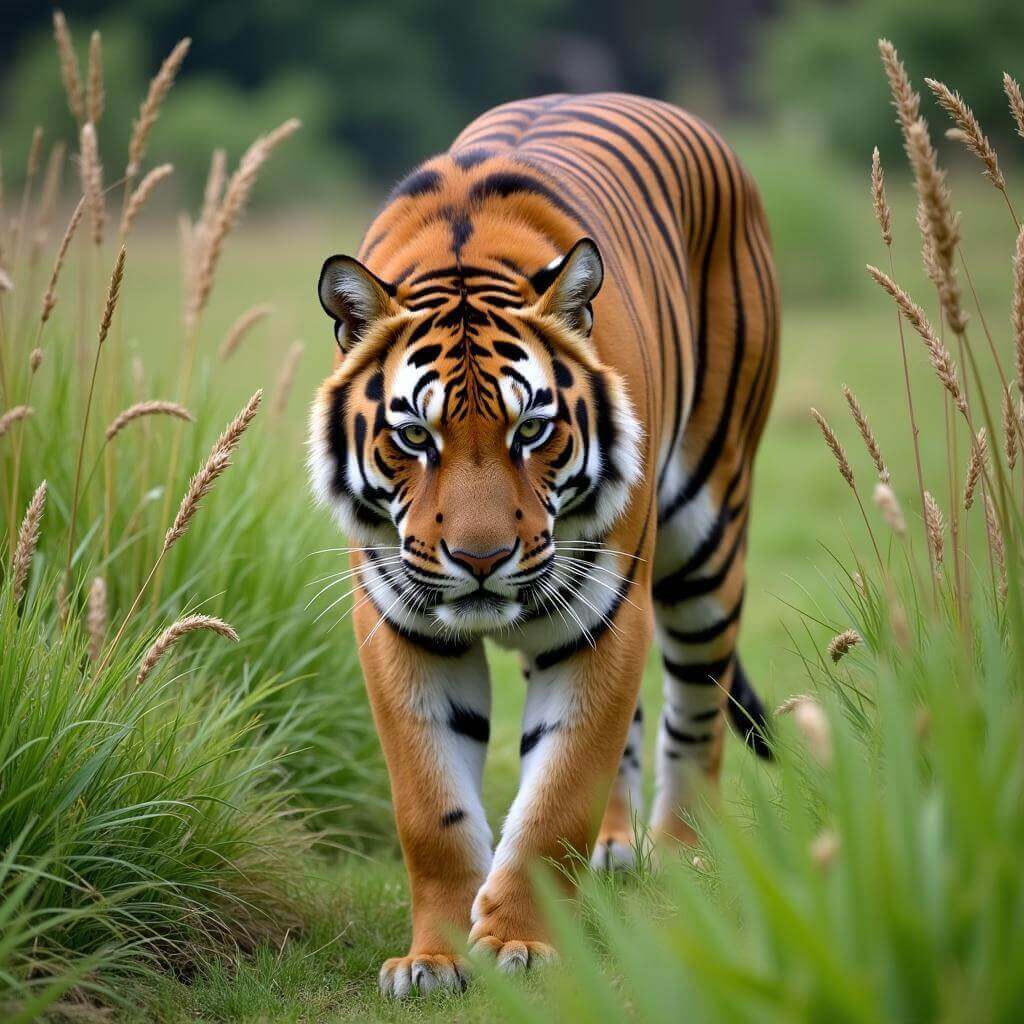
point(151, 824)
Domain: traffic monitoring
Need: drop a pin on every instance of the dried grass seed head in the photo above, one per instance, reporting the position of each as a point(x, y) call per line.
point(941, 360)
point(236, 196)
point(14, 415)
point(218, 460)
point(50, 296)
point(888, 504)
point(866, 433)
point(1016, 100)
point(91, 172)
point(96, 617)
point(149, 110)
point(28, 540)
point(113, 293)
point(970, 130)
point(174, 632)
point(835, 447)
point(141, 195)
point(139, 410)
point(1010, 427)
point(934, 527)
point(841, 644)
point(95, 97)
point(906, 101)
point(996, 545)
point(70, 74)
point(240, 328)
point(942, 225)
point(878, 201)
point(975, 468)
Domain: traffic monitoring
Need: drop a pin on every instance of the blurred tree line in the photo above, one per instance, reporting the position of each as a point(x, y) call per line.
point(381, 84)
point(820, 64)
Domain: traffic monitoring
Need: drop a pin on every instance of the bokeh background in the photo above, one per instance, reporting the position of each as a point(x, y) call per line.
point(379, 86)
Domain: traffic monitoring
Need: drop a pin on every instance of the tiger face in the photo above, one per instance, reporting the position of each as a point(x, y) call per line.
point(468, 428)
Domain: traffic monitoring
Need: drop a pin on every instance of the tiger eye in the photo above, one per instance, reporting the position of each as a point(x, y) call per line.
point(530, 429)
point(415, 435)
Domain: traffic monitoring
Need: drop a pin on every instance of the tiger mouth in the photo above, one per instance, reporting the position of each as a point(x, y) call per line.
point(480, 600)
point(479, 612)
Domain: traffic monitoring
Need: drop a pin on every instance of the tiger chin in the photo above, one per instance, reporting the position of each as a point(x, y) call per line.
point(555, 354)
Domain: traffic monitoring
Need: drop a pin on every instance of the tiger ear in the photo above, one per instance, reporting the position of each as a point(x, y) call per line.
point(354, 297)
point(568, 285)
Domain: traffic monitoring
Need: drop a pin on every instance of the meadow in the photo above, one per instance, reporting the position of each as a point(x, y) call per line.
point(213, 841)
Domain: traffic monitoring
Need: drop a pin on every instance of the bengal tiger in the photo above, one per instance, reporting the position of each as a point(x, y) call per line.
point(556, 353)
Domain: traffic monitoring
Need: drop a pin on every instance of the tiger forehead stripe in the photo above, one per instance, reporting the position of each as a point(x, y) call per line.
point(463, 337)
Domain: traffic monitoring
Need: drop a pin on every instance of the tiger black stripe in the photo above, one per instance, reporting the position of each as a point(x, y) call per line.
point(469, 723)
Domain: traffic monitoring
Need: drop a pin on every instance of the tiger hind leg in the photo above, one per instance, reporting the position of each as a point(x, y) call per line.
point(698, 592)
point(616, 839)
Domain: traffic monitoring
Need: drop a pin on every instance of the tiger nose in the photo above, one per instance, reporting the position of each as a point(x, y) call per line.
point(481, 563)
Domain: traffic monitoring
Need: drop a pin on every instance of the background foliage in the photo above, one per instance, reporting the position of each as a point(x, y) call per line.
point(380, 85)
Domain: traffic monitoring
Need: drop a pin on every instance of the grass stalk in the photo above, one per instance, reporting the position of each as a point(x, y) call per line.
point(113, 292)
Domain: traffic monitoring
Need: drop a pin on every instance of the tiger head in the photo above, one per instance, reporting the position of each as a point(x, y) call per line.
point(467, 429)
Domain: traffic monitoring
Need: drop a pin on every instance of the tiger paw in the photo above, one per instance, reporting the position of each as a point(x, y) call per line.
point(614, 851)
point(514, 955)
point(403, 976)
point(506, 926)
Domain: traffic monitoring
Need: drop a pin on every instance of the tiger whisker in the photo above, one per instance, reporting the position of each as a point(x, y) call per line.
point(380, 621)
point(597, 611)
point(340, 577)
point(327, 587)
point(385, 579)
point(350, 568)
point(346, 551)
point(545, 597)
point(582, 574)
point(559, 599)
point(583, 564)
point(561, 546)
point(555, 596)
point(379, 586)
point(412, 608)
point(447, 583)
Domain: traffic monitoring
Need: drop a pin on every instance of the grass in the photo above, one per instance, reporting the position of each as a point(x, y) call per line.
point(183, 864)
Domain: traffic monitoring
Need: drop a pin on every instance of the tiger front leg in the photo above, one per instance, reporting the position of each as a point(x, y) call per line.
point(578, 713)
point(432, 715)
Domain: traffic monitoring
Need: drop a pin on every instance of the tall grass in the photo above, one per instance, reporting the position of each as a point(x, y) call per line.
point(154, 808)
point(151, 815)
point(874, 873)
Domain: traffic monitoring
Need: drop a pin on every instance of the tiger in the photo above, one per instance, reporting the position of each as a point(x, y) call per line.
point(556, 350)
